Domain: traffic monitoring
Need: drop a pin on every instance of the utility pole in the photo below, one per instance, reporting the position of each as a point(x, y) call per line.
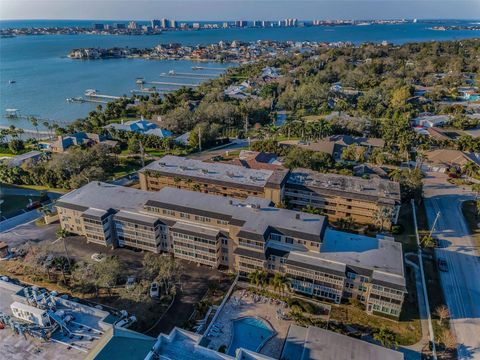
point(434, 223)
point(199, 139)
point(142, 155)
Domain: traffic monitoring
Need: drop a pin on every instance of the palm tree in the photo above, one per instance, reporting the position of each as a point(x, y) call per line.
point(470, 169)
point(34, 122)
point(382, 215)
point(62, 234)
point(396, 174)
point(309, 209)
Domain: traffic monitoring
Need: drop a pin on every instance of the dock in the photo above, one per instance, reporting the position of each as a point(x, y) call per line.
point(171, 83)
point(90, 93)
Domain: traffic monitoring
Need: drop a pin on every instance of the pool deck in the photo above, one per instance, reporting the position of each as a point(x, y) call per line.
point(239, 306)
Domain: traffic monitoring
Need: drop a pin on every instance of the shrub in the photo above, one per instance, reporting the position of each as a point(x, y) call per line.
point(398, 229)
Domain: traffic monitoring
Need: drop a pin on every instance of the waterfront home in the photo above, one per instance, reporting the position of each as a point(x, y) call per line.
point(140, 126)
point(63, 142)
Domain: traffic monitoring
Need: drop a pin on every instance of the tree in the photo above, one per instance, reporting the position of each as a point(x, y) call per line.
point(382, 216)
point(108, 272)
point(133, 145)
point(63, 234)
point(279, 283)
point(386, 337)
point(442, 312)
point(427, 241)
point(448, 339)
point(16, 145)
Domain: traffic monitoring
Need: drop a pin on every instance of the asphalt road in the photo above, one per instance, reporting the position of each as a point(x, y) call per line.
point(461, 284)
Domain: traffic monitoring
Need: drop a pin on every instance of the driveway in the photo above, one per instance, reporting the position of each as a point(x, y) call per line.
point(461, 284)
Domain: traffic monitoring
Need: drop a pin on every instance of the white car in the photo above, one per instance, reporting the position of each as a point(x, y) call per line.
point(98, 257)
point(154, 290)
point(130, 282)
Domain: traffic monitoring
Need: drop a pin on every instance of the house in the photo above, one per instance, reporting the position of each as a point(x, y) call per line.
point(257, 160)
point(370, 171)
point(140, 126)
point(334, 145)
point(19, 160)
point(441, 160)
point(63, 142)
point(427, 120)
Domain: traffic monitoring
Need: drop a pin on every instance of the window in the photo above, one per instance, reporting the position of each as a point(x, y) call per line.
point(275, 237)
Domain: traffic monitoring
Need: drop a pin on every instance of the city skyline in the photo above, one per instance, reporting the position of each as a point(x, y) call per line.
point(229, 10)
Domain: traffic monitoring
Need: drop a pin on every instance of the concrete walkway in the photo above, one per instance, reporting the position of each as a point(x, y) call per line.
point(422, 311)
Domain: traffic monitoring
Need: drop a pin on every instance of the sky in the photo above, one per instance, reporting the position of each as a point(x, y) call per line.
point(188, 10)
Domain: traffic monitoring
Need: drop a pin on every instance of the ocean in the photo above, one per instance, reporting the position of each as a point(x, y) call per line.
point(45, 77)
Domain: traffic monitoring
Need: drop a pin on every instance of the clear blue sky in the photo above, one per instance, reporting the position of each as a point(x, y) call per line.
point(238, 9)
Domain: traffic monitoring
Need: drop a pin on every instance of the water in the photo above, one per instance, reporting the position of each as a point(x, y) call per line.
point(249, 333)
point(45, 77)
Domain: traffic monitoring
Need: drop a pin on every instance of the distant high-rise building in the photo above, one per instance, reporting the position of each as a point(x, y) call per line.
point(155, 23)
point(98, 26)
point(132, 25)
point(173, 24)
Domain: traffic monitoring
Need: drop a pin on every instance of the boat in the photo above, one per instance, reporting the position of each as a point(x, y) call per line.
point(12, 81)
point(12, 113)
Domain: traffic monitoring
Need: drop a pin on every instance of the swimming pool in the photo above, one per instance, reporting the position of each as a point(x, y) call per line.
point(249, 333)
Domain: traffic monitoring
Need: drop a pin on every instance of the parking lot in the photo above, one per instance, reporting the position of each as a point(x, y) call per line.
point(193, 285)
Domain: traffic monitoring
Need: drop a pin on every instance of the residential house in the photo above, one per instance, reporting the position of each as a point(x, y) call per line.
point(63, 142)
point(441, 160)
point(30, 157)
point(141, 126)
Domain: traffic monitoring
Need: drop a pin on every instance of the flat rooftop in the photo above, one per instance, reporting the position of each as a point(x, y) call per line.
point(314, 343)
point(368, 189)
point(340, 252)
point(87, 323)
point(220, 172)
point(254, 214)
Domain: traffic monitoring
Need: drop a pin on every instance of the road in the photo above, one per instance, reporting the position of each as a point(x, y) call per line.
point(461, 284)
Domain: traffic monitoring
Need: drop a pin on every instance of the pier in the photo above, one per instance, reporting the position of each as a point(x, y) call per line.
point(171, 83)
point(195, 75)
point(93, 94)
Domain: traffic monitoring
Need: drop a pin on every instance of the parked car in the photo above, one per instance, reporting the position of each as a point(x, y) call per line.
point(130, 282)
point(154, 290)
point(98, 257)
point(442, 265)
